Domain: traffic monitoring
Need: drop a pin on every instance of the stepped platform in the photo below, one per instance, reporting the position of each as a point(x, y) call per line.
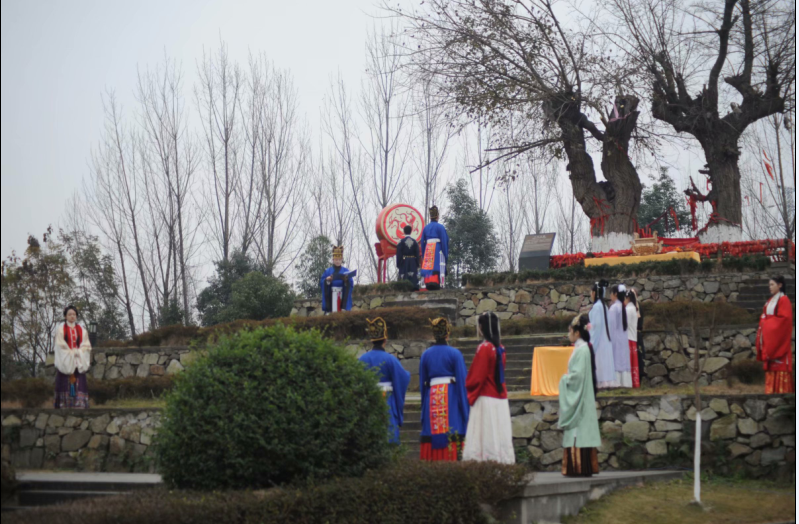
point(753, 293)
point(547, 498)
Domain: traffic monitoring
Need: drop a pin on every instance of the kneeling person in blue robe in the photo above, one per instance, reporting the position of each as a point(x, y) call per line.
point(336, 284)
point(393, 379)
point(445, 402)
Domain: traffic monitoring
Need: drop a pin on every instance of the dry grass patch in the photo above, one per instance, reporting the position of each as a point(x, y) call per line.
point(669, 503)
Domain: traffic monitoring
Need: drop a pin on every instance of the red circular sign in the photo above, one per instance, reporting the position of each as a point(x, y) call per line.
point(392, 221)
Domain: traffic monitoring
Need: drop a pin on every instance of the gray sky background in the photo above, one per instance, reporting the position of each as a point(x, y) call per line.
point(59, 57)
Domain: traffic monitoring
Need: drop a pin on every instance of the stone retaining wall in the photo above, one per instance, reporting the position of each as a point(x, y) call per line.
point(556, 298)
point(114, 441)
point(739, 433)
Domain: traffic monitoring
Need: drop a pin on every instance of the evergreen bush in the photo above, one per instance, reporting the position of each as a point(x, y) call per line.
point(410, 492)
point(269, 407)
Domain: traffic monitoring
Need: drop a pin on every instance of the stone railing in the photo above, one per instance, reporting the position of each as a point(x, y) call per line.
point(741, 433)
point(516, 301)
point(90, 440)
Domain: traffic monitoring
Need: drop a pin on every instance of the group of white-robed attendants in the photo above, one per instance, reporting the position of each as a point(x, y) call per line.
point(614, 335)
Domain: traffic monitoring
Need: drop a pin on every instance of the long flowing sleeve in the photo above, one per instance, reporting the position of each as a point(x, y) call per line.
point(445, 244)
point(478, 373)
point(64, 356)
point(779, 331)
point(83, 356)
point(424, 378)
point(572, 389)
point(400, 379)
point(322, 283)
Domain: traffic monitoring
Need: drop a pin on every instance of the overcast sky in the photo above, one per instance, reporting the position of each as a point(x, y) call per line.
point(58, 58)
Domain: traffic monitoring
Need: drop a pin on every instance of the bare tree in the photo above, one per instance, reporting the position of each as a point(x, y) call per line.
point(506, 60)
point(678, 46)
point(217, 97)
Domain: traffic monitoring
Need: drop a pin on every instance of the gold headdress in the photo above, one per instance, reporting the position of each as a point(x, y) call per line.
point(441, 328)
point(338, 252)
point(434, 213)
point(377, 329)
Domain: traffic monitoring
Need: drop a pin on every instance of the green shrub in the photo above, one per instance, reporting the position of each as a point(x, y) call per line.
point(35, 392)
point(410, 492)
point(747, 372)
point(269, 407)
point(523, 326)
point(401, 286)
point(580, 272)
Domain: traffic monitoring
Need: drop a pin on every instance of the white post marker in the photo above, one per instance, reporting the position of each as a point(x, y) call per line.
point(697, 459)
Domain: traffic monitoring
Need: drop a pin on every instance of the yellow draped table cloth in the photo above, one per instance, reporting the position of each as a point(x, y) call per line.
point(615, 261)
point(549, 366)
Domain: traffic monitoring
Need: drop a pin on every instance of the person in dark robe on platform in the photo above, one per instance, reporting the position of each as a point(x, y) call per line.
point(489, 437)
point(435, 247)
point(409, 258)
point(773, 344)
point(72, 361)
point(577, 400)
point(445, 403)
point(336, 285)
point(393, 380)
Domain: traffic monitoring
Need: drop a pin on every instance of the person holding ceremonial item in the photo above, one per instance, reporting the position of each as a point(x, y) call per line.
point(393, 379)
point(489, 436)
point(632, 315)
point(577, 399)
point(600, 339)
point(72, 361)
point(409, 258)
point(774, 336)
point(337, 285)
point(617, 320)
point(445, 404)
point(435, 244)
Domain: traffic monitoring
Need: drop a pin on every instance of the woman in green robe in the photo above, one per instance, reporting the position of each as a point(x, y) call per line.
point(578, 418)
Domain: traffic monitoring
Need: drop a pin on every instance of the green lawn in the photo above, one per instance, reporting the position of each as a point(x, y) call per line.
point(745, 502)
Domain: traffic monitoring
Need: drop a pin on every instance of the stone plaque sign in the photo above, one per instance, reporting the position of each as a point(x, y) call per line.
point(536, 251)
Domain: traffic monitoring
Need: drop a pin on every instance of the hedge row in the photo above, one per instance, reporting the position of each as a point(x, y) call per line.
point(523, 326)
point(403, 323)
point(646, 269)
point(408, 492)
point(33, 393)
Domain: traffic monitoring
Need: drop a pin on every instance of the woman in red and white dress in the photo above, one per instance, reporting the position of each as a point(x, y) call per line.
point(72, 361)
point(633, 315)
point(773, 343)
point(489, 436)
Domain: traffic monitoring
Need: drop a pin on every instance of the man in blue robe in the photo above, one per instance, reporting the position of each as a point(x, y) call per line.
point(435, 247)
point(393, 380)
point(336, 284)
point(409, 259)
point(445, 403)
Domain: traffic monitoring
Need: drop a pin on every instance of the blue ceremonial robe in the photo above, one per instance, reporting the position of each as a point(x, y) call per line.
point(444, 361)
point(390, 371)
point(338, 281)
point(432, 231)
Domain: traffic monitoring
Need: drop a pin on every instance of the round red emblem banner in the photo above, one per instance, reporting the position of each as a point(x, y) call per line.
point(392, 221)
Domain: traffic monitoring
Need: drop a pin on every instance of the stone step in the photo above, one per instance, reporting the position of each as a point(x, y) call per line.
point(39, 498)
point(45, 489)
point(447, 307)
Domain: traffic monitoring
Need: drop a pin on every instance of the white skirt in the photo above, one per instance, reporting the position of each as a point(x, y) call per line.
point(625, 379)
point(489, 436)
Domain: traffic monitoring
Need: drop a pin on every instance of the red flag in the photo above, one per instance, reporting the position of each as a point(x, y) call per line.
point(769, 167)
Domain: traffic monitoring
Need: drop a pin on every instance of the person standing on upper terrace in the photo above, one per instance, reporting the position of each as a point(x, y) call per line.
point(773, 343)
point(409, 258)
point(435, 247)
point(72, 360)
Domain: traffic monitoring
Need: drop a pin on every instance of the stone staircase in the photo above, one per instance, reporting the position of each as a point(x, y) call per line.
point(518, 372)
point(753, 293)
point(442, 306)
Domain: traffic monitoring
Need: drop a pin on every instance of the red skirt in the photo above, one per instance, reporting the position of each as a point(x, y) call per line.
point(779, 382)
point(448, 454)
point(634, 367)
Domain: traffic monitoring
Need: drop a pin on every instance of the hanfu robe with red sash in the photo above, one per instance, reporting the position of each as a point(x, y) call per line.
point(445, 403)
point(72, 361)
point(394, 381)
point(435, 253)
point(774, 344)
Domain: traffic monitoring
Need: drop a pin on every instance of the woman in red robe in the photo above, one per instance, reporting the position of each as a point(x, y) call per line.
point(774, 340)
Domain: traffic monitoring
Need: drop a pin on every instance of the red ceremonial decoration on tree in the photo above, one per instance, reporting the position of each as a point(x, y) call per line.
point(390, 226)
